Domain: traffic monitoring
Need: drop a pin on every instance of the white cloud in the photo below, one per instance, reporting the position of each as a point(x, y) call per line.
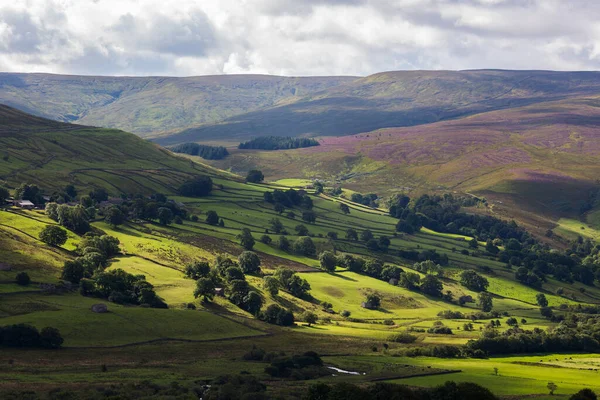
point(291, 37)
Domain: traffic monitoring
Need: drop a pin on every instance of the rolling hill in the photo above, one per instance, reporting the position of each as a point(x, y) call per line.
point(53, 154)
point(151, 105)
point(538, 163)
point(175, 352)
point(397, 99)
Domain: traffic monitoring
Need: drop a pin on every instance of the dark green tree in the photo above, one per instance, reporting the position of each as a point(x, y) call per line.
point(114, 216)
point(328, 261)
point(22, 279)
point(53, 235)
point(205, 288)
point(255, 176)
point(485, 302)
point(246, 239)
point(249, 262)
point(165, 215)
point(212, 218)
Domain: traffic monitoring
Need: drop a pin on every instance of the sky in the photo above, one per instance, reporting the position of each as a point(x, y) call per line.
point(295, 37)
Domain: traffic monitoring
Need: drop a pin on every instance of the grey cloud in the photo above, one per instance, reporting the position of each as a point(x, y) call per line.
point(191, 36)
point(24, 36)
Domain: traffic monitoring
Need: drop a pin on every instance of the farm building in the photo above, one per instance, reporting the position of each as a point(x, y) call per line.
point(24, 204)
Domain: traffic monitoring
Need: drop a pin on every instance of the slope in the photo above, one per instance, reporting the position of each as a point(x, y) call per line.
point(400, 98)
point(541, 159)
point(146, 105)
point(53, 154)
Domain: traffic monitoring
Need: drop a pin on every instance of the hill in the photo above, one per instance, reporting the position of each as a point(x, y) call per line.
point(537, 163)
point(151, 105)
point(53, 154)
point(397, 99)
point(418, 333)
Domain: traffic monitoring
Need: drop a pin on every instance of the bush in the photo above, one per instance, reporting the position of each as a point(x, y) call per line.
point(23, 335)
point(403, 337)
point(22, 279)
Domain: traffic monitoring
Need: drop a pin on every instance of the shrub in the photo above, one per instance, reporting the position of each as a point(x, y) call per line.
point(403, 337)
point(22, 279)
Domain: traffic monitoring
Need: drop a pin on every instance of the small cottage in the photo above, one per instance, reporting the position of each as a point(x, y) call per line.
point(24, 204)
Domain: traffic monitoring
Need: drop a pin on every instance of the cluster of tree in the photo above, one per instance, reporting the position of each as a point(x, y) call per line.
point(121, 287)
point(370, 200)
point(533, 260)
point(442, 214)
point(255, 176)
point(23, 335)
point(75, 218)
point(380, 390)
point(439, 328)
point(231, 275)
point(289, 198)
point(201, 150)
point(198, 186)
point(289, 281)
point(380, 244)
point(93, 251)
point(156, 207)
point(576, 334)
point(424, 255)
point(300, 367)
point(278, 143)
point(303, 245)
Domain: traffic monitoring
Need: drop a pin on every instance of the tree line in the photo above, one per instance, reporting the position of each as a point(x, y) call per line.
point(278, 143)
point(201, 150)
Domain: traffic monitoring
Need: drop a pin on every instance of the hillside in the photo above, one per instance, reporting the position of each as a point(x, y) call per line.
point(396, 99)
point(418, 335)
point(151, 105)
point(53, 154)
point(538, 163)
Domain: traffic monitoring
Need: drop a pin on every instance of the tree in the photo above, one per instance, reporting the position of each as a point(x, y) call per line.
point(546, 312)
point(366, 235)
point(271, 285)
point(373, 301)
point(196, 187)
point(212, 218)
point(485, 301)
point(255, 176)
point(53, 235)
point(301, 230)
point(283, 243)
point(86, 201)
point(390, 272)
point(473, 243)
point(351, 234)
point(344, 208)
point(114, 216)
point(165, 215)
point(310, 318)
point(50, 338)
point(29, 192)
point(541, 300)
point(318, 187)
point(472, 280)
point(409, 280)
point(205, 287)
point(266, 239)
point(328, 261)
point(22, 279)
point(372, 245)
point(432, 286)
point(309, 217)
point(73, 271)
point(279, 208)
point(584, 394)
point(252, 302)
point(197, 270)
point(551, 387)
point(234, 273)
point(4, 195)
point(246, 239)
point(51, 211)
point(305, 246)
point(249, 262)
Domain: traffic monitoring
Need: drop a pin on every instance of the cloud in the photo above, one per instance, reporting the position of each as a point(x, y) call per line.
point(290, 37)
